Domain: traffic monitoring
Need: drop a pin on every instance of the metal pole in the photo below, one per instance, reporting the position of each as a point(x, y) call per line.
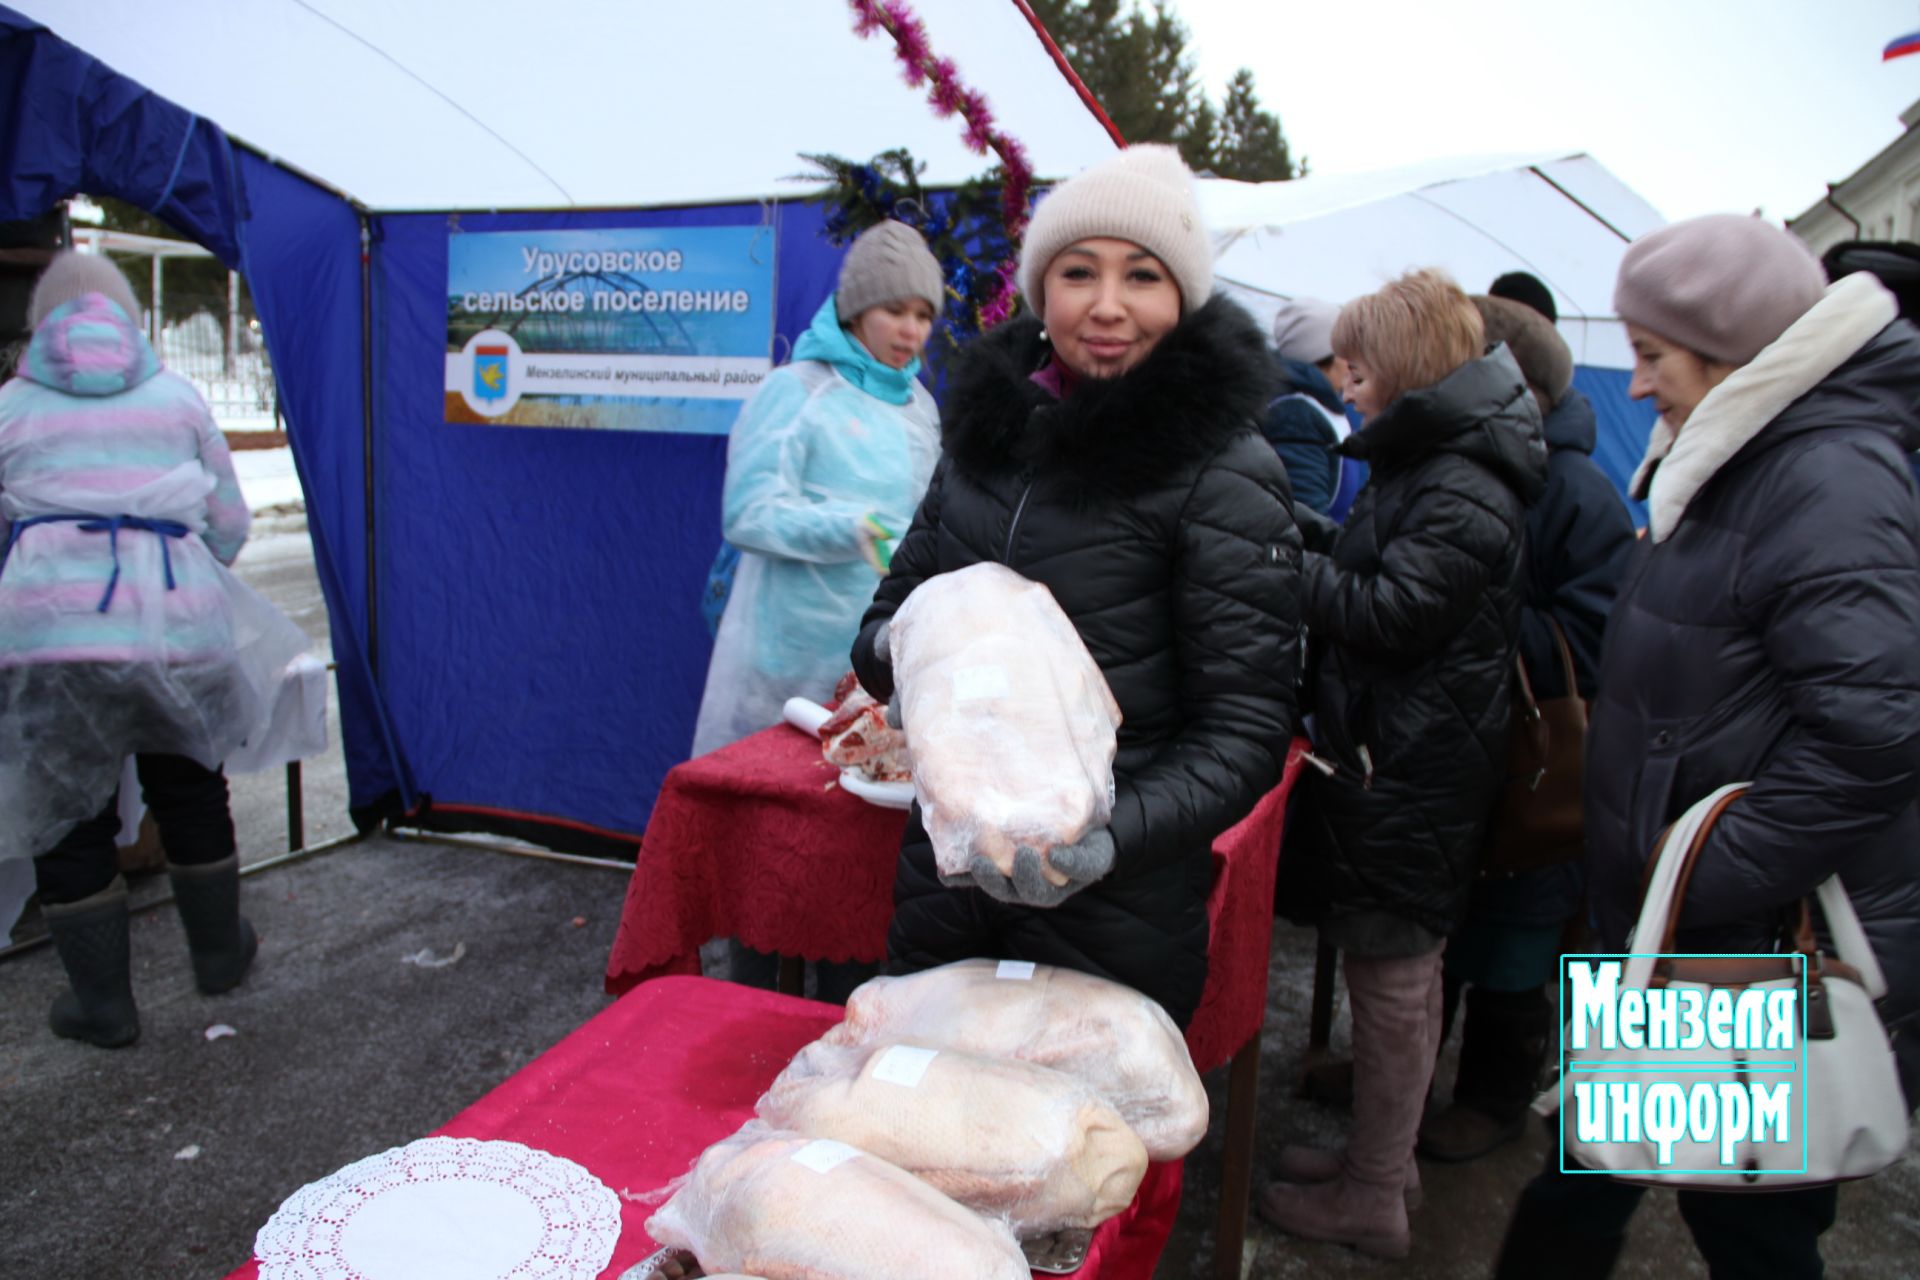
point(366, 439)
point(159, 307)
point(233, 324)
point(515, 847)
point(296, 806)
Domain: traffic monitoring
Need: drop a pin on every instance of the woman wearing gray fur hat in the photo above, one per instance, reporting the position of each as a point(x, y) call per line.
point(1107, 447)
point(1765, 633)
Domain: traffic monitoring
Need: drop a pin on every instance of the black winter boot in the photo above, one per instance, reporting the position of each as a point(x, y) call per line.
point(91, 937)
point(221, 940)
point(1503, 1043)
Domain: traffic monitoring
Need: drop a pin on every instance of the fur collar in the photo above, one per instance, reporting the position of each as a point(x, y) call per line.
point(1208, 379)
point(1679, 464)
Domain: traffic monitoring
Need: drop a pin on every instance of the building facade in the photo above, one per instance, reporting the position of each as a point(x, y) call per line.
point(1880, 201)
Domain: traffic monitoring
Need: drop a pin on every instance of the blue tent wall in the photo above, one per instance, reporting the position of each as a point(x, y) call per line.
point(1624, 426)
point(535, 590)
point(68, 123)
point(538, 588)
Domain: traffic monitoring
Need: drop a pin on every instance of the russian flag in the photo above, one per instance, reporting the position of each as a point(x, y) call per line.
point(1900, 48)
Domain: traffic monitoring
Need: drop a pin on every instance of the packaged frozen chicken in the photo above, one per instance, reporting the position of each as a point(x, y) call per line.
point(998, 1135)
point(1010, 725)
point(1119, 1042)
point(786, 1207)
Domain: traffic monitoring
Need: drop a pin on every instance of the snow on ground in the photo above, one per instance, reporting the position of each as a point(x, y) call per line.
point(268, 480)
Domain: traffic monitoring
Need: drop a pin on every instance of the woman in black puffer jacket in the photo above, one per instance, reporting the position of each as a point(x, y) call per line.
point(1115, 457)
point(1767, 631)
point(1416, 605)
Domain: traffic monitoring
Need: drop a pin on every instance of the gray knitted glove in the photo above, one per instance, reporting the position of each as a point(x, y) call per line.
point(1082, 864)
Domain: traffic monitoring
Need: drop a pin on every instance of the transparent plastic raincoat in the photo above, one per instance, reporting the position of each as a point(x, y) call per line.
point(828, 441)
point(121, 628)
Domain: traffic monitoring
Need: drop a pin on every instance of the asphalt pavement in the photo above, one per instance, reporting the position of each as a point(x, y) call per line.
point(163, 1160)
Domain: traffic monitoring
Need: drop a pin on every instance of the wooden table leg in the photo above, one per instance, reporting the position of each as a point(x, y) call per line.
point(1236, 1177)
point(792, 979)
point(1320, 1023)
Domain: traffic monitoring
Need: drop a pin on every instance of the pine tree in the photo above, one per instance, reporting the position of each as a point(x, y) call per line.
point(1137, 65)
point(1251, 146)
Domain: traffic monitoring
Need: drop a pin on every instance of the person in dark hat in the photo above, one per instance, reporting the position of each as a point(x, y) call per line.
point(1528, 290)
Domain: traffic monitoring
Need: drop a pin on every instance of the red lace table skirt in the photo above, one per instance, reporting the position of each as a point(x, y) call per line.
point(636, 1094)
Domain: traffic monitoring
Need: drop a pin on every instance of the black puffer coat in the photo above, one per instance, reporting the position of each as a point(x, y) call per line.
point(1578, 537)
point(1416, 610)
point(1160, 520)
point(1768, 630)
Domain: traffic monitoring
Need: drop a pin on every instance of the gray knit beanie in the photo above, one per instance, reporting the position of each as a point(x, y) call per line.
point(72, 274)
point(1143, 195)
point(1537, 346)
point(1303, 329)
point(1723, 285)
point(889, 261)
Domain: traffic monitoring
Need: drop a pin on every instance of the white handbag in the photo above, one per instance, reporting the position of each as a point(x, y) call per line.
point(1845, 1116)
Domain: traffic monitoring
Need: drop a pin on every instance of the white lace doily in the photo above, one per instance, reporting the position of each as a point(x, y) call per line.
point(445, 1209)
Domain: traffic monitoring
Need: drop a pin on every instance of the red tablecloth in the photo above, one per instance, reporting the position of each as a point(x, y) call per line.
point(752, 842)
point(636, 1094)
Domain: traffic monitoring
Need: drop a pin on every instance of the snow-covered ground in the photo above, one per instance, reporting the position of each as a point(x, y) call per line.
point(268, 480)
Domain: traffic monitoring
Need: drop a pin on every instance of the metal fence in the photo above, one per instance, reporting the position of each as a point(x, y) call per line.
point(221, 352)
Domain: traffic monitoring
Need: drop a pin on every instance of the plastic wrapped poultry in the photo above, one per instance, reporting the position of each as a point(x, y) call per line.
point(1010, 725)
point(998, 1135)
point(1112, 1038)
point(785, 1207)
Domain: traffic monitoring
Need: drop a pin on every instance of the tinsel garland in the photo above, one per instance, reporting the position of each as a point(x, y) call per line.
point(962, 228)
point(948, 96)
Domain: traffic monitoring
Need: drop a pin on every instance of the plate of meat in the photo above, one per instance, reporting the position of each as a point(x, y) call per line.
point(888, 795)
point(855, 736)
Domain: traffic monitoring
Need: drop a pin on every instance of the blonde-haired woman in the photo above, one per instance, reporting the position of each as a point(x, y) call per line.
point(1414, 605)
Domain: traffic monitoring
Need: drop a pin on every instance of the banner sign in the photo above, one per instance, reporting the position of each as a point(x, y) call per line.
point(1690, 1077)
point(634, 329)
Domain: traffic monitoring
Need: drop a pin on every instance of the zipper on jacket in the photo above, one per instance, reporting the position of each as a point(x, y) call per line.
point(1366, 762)
point(1013, 526)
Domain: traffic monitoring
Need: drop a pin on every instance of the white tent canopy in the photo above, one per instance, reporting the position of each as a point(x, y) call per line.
point(492, 104)
point(1563, 218)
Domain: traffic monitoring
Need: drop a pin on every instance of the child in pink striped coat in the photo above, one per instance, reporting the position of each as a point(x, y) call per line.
point(122, 632)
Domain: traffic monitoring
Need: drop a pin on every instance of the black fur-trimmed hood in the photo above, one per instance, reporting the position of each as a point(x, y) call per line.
point(1208, 379)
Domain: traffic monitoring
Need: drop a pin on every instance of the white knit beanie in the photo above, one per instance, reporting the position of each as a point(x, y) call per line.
point(1143, 195)
point(889, 261)
point(71, 275)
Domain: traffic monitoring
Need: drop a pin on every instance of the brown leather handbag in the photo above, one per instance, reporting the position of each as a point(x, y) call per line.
point(1536, 822)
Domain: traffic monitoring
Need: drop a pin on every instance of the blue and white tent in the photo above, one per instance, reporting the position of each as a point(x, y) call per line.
point(1563, 218)
point(515, 612)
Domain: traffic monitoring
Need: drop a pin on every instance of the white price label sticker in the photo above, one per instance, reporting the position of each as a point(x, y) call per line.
point(824, 1155)
point(904, 1065)
point(1015, 970)
point(971, 684)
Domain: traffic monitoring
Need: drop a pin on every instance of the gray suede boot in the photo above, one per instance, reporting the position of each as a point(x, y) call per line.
point(222, 942)
point(1396, 1016)
point(91, 937)
point(1297, 1162)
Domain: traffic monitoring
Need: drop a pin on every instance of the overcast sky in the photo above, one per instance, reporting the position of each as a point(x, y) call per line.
point(1701, 106)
